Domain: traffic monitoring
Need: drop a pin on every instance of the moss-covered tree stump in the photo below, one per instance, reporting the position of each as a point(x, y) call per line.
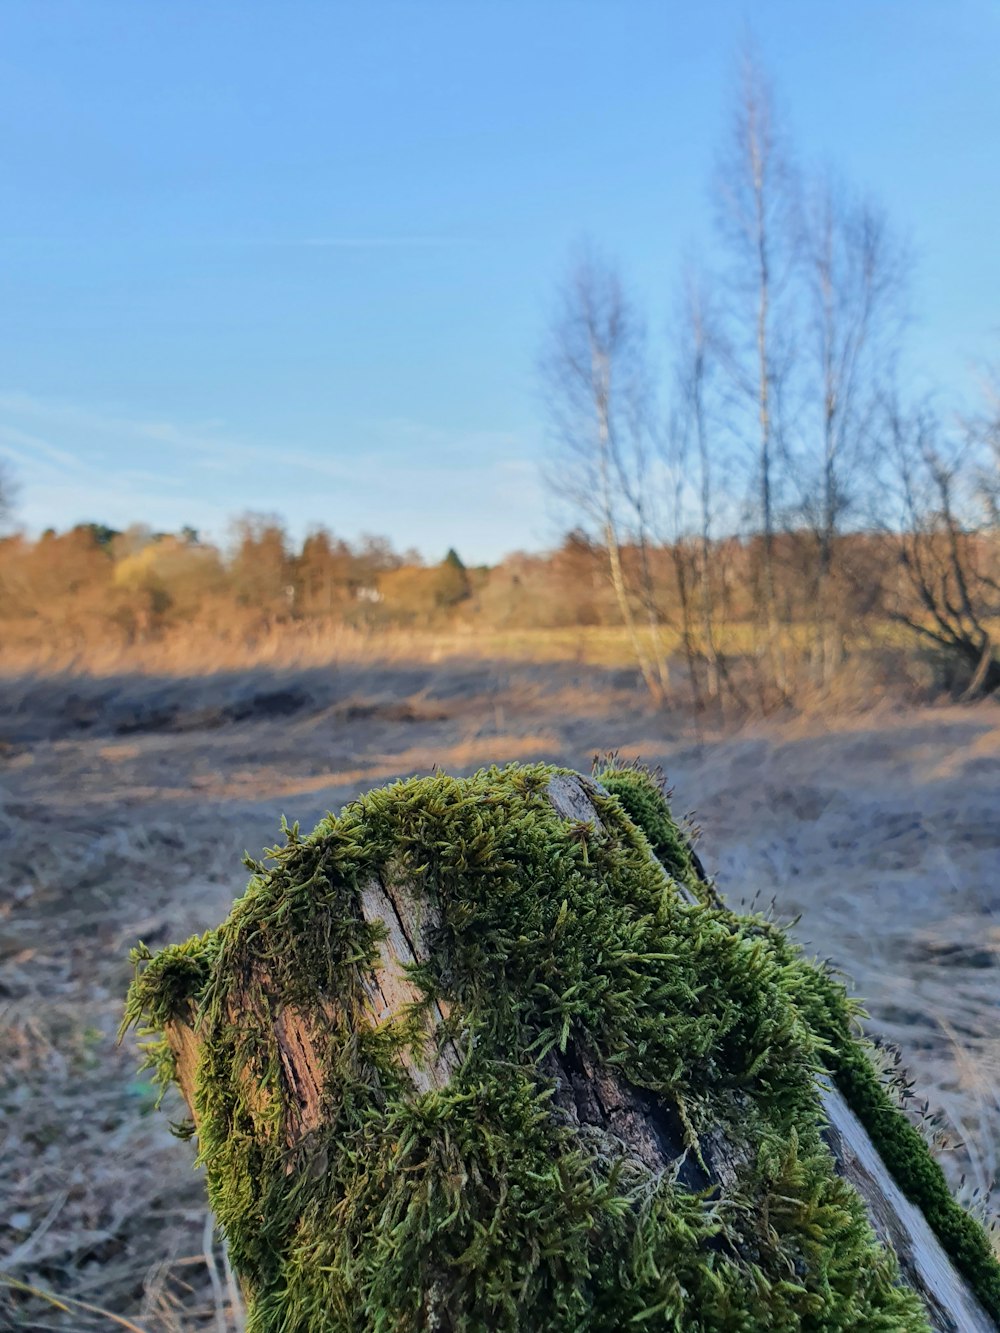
point(488, 1053)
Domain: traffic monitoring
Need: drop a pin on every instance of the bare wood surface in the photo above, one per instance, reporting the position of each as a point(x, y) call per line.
point(297, 1037)
point(390, 990)
point(185, 1046)
point(569, 796)
point(951, 1307)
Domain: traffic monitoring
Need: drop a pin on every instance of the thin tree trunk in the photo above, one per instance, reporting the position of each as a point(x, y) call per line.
point(705, 564)
point(611, 541)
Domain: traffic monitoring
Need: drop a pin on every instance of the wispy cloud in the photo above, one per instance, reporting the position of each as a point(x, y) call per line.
point(20, 444)
point(379, 242)
point(189, 442)
point(356, 242)
point(415, 242)
point(422, 485)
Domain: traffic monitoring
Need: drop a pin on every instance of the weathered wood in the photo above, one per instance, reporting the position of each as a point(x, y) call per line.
point(596, 1100)
point(184, 1045)
point(951, 1307)
point(296, 1037)
point(409, 927)
point(569, 796)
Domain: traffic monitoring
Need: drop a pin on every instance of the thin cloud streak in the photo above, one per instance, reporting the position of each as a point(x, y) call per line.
point(270, 242)
point(380, 242)
point(345, 242)
point(421, 485)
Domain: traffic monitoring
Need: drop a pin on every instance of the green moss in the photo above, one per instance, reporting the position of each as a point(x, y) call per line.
point(644, 799)
point(479, 1206)
point(166, 986)
point(824, 1005)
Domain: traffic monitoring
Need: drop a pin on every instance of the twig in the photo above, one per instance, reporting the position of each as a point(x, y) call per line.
point(208, 1249)
point(18, 1256)
point(58, 1302)
point(235, 1298)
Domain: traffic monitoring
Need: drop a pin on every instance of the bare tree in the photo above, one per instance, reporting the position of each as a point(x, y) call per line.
point(855, 277)
point(757, 211)
point(986, 430)
point(695, 461)
point(595, 373)
point(685, 555)
point(948, 544)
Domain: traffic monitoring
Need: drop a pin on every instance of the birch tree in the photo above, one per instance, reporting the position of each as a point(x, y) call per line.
point(596, 378)
point(854, 274)
point(696, 365)
point(756, 212)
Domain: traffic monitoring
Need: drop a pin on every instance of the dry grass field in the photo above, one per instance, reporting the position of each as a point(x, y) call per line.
point(127, 800)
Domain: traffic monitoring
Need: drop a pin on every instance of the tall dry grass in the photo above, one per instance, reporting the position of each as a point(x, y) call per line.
point(876, 668)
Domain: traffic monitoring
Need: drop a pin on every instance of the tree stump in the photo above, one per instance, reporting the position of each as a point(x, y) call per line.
point(489, 1053)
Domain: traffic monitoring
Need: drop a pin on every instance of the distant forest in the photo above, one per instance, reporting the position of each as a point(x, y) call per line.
point(896, 597)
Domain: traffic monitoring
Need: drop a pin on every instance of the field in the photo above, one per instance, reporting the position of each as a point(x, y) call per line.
point(128, 799)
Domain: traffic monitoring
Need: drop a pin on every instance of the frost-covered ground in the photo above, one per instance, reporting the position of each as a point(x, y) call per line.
point(126, 803)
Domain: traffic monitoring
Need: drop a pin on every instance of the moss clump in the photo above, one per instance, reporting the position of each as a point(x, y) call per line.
point(826, 1009)
point(480, 1205)
point(645, 801)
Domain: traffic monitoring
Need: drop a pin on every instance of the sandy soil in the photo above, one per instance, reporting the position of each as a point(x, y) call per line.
point(126, 803)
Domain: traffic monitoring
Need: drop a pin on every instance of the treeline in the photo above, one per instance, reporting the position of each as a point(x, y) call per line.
point(93, 586)
point(94, 582)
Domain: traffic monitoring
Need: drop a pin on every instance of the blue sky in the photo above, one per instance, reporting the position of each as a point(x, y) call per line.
point(297, 256)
